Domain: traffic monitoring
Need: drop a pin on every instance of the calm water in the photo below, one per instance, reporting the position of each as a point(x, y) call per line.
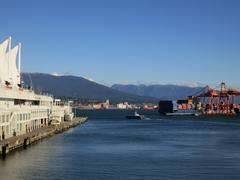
point(111, 147)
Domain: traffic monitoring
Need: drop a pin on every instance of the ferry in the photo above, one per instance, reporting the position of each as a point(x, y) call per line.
point(21, 109)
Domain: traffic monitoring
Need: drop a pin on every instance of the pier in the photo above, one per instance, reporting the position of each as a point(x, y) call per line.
point(10, 144)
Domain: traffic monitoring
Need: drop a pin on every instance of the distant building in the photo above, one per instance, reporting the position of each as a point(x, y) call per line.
point(124, 105)
point(150, 107)
point(104, 105)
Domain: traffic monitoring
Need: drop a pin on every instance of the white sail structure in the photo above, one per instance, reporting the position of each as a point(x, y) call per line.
point(21, 109)
point(4, 48)
point(14, 73)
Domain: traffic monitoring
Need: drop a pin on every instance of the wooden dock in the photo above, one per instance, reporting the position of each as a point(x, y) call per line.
point(24, 140)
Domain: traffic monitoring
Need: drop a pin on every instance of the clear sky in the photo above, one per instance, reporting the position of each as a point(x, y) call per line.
point(116, 41)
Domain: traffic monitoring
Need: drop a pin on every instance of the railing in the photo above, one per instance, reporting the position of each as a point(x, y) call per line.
point(44, 94)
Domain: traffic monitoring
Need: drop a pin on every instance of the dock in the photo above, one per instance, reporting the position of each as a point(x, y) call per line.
point(22, 141)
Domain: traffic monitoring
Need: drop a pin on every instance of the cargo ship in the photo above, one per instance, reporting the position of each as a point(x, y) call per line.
point(178, 108)
point(221, 100)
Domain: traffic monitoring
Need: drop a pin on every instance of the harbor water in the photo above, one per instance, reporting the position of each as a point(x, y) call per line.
point(109, 146)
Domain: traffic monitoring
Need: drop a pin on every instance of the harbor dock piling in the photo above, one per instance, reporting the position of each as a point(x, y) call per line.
point(25, 140)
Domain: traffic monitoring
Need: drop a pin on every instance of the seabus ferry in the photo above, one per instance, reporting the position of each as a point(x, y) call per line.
point(21, 109)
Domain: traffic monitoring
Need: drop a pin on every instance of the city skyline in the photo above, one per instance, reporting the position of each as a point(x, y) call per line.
point(166, 42)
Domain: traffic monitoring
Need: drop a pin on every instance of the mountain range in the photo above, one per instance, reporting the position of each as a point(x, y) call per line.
point(163, 92)
point(79, 88)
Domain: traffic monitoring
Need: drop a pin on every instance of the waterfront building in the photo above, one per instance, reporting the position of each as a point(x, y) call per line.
point(21, 109)
point(104, 105)
point(124, 105)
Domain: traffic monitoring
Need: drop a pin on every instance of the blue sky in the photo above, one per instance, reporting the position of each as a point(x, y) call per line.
point(121, 41)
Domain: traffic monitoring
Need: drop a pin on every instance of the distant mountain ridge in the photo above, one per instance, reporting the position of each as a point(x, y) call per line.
point(163, 92)
point(78, 87)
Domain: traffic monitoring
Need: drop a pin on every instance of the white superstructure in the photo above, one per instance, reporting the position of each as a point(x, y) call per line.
point(21, 110)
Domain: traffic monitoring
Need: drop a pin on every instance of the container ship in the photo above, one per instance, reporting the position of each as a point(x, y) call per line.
point(221, 100)
point(21, 109)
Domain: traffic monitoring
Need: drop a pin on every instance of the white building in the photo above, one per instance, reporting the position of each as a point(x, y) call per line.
point(21, 110)
point(124, 105)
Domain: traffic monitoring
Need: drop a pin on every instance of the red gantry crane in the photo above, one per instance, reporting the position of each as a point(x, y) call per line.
point(221, 100)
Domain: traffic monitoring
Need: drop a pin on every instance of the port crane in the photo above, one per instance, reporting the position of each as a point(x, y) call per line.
point(220, 100)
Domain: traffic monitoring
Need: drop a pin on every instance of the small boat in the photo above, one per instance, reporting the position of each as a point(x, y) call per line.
point(135, 116)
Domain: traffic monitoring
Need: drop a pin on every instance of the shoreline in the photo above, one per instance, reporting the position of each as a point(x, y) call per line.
point(14, 143)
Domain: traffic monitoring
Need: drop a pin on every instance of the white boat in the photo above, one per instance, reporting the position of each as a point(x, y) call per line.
point(22, 110)
point(135, 116)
